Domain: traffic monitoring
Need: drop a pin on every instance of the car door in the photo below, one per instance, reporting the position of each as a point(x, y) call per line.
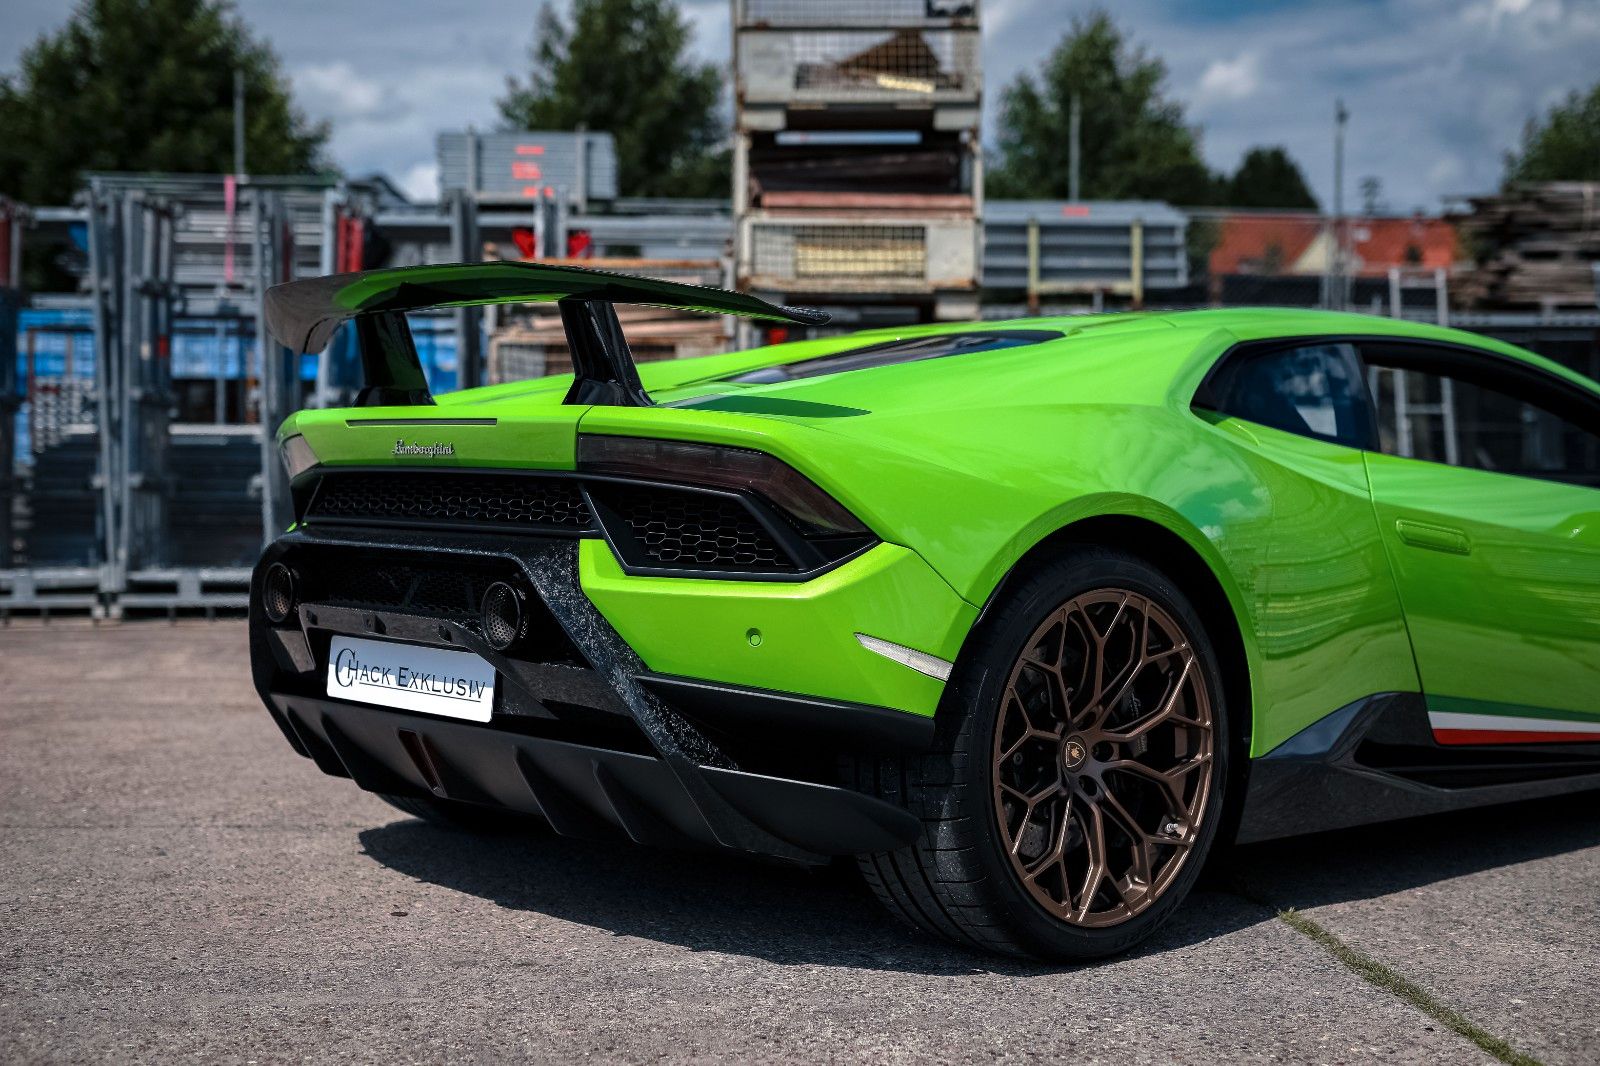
point(1486, 485)
point(1328, 616)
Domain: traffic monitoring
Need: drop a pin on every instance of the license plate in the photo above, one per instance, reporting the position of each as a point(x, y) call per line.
point(452, 684)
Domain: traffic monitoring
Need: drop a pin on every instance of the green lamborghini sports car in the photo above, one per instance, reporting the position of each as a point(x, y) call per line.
point(1027, 617)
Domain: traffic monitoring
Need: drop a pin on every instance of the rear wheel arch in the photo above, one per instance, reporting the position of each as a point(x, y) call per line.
point(1175, 556)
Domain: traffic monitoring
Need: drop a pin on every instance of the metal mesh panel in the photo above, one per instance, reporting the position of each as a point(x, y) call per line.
point(519, 360)
point(424, 589)
point(694, 531)
point(837, 255)
point(57, 404)
point(903, 65)
point(414, 497)
point(871, 12)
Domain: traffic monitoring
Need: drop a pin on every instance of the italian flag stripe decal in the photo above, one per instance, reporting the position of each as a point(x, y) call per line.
point(1507, 725)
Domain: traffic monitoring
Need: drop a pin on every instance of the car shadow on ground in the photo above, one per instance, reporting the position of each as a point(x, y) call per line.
point(791, 916)
point(1379, 860)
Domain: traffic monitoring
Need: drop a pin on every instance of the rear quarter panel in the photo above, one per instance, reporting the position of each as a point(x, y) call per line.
point(973, 463)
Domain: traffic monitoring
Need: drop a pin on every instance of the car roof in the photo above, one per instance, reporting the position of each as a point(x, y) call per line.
point(1268, 323)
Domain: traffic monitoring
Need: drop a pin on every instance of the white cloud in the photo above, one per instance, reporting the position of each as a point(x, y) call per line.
point(1437, 89)
point(999, 15)
point(421, 181)
point(336, 91)
point(1229, 79)
point(1446, 172)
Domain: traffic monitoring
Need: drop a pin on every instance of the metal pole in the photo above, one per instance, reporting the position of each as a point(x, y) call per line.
point(328, 263)
point(1337, 293)
point(1136, 265)
point(102, 250)
point(238, 123)
point(8, 414)
point(11, 220)
point(1033, 266)
point(1074, 147)
point(219, 400)
point(132, 247)
point(580, 197)
point(269, 458)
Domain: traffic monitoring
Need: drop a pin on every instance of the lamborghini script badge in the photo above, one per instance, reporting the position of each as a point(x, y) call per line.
point(431, 451)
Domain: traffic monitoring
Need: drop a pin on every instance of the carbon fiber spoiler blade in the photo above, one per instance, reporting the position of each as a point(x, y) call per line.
point(304, 315)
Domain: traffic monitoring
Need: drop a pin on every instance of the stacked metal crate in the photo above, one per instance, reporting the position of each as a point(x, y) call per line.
point(857, 171)
point(1076, 254)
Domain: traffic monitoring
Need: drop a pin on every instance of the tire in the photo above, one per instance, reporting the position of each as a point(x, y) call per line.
point(1003, 863)
point(468, 817)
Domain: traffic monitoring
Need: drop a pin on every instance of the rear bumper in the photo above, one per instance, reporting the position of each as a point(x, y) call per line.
point(582, 790)
point(596, 742)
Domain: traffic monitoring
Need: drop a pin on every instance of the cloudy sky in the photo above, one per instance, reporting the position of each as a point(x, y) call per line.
point(1438, 90)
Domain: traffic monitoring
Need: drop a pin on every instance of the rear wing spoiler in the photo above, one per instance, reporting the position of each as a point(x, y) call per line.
point(304, 315)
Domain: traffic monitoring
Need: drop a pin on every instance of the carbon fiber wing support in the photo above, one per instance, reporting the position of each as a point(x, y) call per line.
point(304, 315)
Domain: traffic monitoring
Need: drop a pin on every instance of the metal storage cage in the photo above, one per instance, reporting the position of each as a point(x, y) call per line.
point(864, 12)
point(859, 66)
point(857, 166)
point(843, 254)
point(921, 58)
point(1045, 247)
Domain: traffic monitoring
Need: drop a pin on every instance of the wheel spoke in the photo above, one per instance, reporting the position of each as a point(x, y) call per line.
point(1028, 734)
point(1094, 839)
point(1051, 663)
point(1169, 782)
point(1032, 800)
point(1166, 709)
point(1058, 847)
point(1142, 870)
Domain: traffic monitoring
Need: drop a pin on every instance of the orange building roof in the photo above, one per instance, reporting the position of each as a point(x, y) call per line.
point(1295, 244)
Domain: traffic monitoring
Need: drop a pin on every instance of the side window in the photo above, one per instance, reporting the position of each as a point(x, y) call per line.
point(1315, 390)
point(1468, 419)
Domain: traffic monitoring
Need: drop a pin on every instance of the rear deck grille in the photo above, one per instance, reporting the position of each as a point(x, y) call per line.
point(534, 503)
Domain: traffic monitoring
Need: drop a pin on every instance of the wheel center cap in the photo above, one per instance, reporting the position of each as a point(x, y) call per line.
point(1074, 753)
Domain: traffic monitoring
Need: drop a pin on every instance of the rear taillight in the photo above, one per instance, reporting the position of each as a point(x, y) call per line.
point(715, 467)
point(687, 509)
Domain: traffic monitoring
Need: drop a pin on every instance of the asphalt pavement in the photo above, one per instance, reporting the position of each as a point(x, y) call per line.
point(176, 884)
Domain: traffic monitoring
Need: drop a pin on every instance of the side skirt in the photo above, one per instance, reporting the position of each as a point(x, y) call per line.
point(1379, 759)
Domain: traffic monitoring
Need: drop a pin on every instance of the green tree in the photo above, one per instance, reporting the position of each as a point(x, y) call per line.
point(146, 85)
point(1564, 146)
point(1135, 141)
point(1268, 177)
point(620, 66)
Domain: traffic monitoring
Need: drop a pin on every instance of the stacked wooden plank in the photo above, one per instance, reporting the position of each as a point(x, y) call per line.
point(1534, 246)
point(529, 340)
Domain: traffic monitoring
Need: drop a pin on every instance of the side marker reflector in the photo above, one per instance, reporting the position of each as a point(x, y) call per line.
point(920, 661)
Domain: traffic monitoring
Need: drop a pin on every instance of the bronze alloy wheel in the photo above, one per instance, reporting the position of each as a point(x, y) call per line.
point(1102, 755)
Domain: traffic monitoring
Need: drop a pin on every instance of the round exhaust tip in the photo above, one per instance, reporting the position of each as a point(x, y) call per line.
point(277, 593)
point(503, 615)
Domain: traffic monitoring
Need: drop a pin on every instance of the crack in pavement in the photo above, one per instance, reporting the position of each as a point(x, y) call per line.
point(1386, 978)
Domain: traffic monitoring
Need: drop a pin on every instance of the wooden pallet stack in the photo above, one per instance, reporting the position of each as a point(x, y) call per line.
point(1534, 246)
point(530, 341)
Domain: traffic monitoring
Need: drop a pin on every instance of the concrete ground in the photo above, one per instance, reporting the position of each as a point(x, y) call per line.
point(176, 884)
